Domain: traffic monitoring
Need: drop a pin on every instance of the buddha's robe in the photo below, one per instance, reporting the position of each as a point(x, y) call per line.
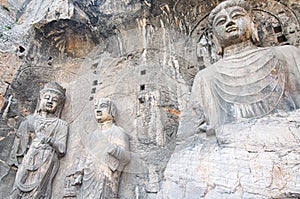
point(250, 84)
point(102, 171)
point(38, 160)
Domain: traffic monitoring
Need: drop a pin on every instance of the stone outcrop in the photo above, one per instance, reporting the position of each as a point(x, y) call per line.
point(250, 159)
point(143, 55)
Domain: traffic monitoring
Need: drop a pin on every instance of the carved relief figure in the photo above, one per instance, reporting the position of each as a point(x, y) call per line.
point(40, 142)
point(248, 82)
point(107, 151)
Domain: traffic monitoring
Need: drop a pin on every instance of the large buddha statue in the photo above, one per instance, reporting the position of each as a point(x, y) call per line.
point(247, 151)
point(41, 140)
point(248, 82)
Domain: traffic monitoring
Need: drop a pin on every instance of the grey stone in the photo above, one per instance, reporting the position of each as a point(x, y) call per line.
point(241, 156)
point(107, 153)
point(257, 158)
point(115, 49)
point(41, 140)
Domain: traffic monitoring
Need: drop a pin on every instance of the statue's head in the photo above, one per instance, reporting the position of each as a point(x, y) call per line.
point(105, 110)
point(52, 98)
point(232, 22)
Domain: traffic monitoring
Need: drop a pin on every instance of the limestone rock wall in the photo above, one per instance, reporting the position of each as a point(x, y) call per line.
point(141, 54)
point(254, 159)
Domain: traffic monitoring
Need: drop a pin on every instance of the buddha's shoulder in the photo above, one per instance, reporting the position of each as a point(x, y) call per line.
point(63, 122)
point(118, 131)
point(206, 73)
point(60, 122)
point(287, 47)
point(285, 51)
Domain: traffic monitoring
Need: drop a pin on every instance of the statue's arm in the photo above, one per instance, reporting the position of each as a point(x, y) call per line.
point(21, 143)
point(194, 118)
point(296, 59)
point(296, 62)
point(291, 55)
point(120, 148)
point(60, 141)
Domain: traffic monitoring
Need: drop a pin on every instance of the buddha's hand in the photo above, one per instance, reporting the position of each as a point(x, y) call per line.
point(78, 175)
point(203, 126)
point(206, 128)
point(113, 150)
point(47, 140)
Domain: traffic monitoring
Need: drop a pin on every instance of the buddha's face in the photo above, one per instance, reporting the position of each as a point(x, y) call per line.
point(49, 102)
point(102, 112)
point(232, 25)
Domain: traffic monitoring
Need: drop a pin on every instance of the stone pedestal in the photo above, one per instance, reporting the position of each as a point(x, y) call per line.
point(248, 159)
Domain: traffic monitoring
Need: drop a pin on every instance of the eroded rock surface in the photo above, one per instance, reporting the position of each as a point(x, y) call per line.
point(258, 158)
point(143, 55)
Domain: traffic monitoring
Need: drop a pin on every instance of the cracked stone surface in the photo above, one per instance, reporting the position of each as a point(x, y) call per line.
point(250, 159)
point(144, 56)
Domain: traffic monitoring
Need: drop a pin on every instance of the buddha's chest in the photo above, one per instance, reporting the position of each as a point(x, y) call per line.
point(251, 86)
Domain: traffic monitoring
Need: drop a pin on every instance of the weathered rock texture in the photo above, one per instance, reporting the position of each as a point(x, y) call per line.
point(144, 56)
point(251, 159)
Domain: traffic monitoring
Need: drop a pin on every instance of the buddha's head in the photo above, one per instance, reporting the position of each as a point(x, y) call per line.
point(52, 98)
point(232, 22)
point(105, 110)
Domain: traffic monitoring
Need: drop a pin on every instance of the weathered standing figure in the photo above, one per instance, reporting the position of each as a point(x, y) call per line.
point(248, 82)
point(107, 150)
point(40, 142)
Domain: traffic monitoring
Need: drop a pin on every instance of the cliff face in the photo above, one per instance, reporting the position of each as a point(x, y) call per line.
point(141, 54)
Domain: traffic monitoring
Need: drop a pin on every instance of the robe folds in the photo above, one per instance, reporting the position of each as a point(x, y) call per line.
point(250, 84)
point(102, 171)
point(39, 144)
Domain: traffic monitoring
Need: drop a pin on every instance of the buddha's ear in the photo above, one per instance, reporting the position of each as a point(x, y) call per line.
point(216, 43)
point(59, 108)
point(38, 105)
point(254, 31)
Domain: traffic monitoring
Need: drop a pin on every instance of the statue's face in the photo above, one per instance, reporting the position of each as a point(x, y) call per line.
point(49, 101)
point(102, 112)
point(232, 25)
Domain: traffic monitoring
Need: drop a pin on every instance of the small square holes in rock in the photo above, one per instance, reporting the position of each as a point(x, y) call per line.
point(143, 72)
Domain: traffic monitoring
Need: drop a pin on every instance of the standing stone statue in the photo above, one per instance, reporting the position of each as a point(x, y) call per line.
point(107, 150)
point(248, 82)
point(40, 142)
